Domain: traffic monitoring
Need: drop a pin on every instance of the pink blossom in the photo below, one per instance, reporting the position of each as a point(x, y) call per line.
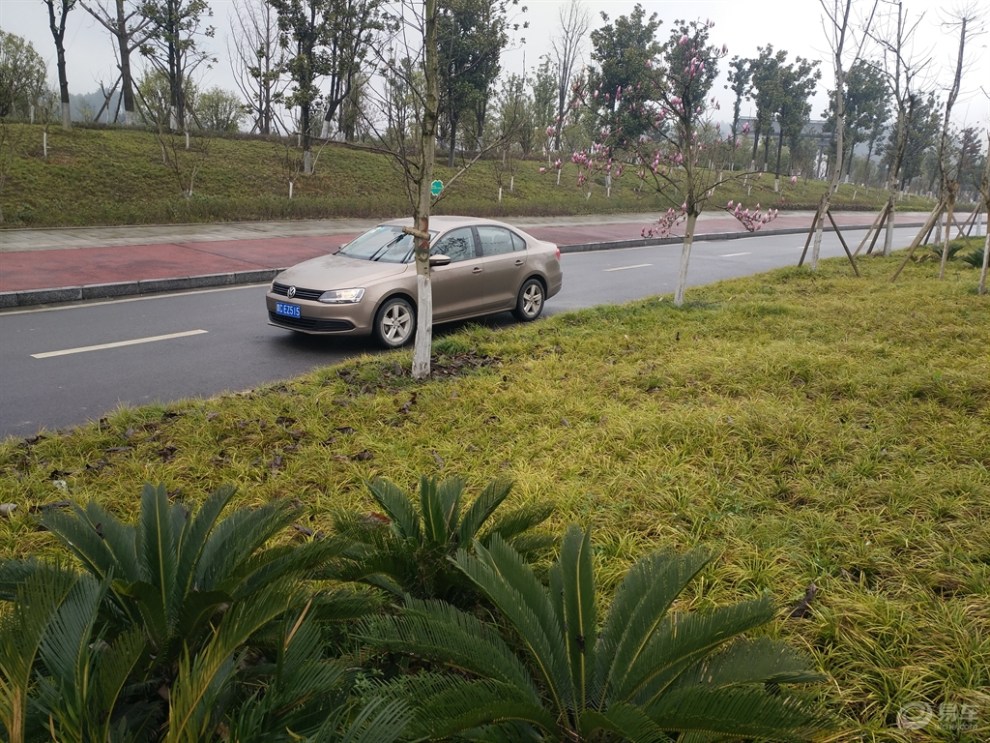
point(793, 180)
point(543, 170)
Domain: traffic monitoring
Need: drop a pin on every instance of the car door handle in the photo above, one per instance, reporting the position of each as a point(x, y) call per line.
point(477, 269)
point(520, 262)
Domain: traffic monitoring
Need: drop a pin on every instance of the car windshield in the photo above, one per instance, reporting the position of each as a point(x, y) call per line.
point(385, 243)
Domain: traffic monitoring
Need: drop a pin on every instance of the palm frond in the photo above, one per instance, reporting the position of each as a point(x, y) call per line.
point(572, 588)
point(285, 561)
point(440, 632)
point(684, 639)
point(503, 576)
point(625, 722)
point(80, 674)
point(77, 530)
point(377, 721)
point(513, 524)
point(449, 706)
point(195, 534)
point(15, 572)
point(234, 539)
point(299, 692)
point(641, 602)
point(751, 661)
point(398, 506)
point(739, 712)
point(440, 504)
point(69, 633)
point(481, 510)
point(22, 629)
point(115, 664)
point(156, 550)
point(203, 677)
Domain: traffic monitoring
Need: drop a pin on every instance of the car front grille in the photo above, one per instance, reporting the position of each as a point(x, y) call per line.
point(311, 324)
point(283, 290)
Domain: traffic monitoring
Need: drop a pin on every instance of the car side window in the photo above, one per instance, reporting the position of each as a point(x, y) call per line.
point(496, 241)
point(458, 245)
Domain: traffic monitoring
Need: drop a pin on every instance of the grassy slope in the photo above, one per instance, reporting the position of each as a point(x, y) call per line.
point(106, 176)
point(812, 428)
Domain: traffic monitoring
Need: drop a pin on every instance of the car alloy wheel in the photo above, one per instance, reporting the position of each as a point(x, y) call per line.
point(395, 322)
point(530, 302)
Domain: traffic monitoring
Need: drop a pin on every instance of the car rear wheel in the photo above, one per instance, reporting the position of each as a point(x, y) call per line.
point(529, 305)
point(395, 322)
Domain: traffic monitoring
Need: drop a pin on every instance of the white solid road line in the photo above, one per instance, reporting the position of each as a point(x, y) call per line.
point(118, 344)
point(627, 268)
point(733, 255)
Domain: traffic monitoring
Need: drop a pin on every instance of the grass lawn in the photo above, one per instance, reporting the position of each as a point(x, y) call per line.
point(103, 176)
point(813, 429)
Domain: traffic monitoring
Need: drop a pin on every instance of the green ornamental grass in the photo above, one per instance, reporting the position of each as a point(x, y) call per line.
point(826, 438)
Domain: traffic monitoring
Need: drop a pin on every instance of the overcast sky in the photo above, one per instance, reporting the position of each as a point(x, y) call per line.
point(792, 25)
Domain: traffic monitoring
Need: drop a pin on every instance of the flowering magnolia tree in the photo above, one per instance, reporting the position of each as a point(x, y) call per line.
point(683, 156)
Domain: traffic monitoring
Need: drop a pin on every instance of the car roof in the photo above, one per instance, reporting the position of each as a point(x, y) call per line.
point(443, 222)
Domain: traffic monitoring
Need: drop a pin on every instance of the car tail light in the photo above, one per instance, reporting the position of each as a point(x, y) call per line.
point(557, 251)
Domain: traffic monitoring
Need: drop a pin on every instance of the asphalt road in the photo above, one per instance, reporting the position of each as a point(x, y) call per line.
point(65, 365)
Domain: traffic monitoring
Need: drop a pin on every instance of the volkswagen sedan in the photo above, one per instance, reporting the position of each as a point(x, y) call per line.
point(478, 267)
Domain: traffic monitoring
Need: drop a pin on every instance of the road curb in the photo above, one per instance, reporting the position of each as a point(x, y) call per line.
point(41, 297)
point(117, 290)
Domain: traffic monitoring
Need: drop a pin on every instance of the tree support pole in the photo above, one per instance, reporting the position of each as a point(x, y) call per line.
point(814, 228)
point(877, 224)
point(887, 212)
point(929, 226)
point(842, 240)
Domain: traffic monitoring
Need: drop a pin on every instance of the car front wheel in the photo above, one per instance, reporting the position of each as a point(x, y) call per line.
point(529, 305)
point(395, 322)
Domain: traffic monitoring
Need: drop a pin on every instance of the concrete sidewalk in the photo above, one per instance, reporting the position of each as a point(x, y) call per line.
point(47, 266)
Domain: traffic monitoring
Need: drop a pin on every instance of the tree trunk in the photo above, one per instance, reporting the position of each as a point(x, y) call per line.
point(780, 150)
point(126, 79)
point(451, 154)
point(428, 142)
point(304, 122)
point(682, 275)
point(63, 89)
point(950, 189)
point(985, 192)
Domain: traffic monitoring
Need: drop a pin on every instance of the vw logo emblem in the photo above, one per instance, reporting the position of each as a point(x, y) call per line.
point(291, 293)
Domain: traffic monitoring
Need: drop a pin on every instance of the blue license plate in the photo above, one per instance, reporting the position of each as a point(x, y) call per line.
point(288, 310)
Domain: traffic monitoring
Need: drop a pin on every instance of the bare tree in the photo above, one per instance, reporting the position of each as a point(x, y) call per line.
point(404, 127)
point(985, 193)
point(258, 62)
point(837, 32)
point(129, 29)
point(58, 14)
point(565, 50)
point(903, 70)
point(948, 176)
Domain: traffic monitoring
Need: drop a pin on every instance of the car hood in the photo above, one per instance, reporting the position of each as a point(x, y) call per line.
point(339, 272)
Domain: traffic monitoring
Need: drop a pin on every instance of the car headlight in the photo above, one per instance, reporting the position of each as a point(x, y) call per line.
point(342, 296)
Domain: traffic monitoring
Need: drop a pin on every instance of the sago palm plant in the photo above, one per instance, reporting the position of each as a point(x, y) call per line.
point(64, 677)
point(167, 617)
point(407, 550)
point(174, 573)
point(646, 673)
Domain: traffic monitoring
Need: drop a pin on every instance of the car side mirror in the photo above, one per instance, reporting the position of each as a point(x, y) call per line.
point(439, 260)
